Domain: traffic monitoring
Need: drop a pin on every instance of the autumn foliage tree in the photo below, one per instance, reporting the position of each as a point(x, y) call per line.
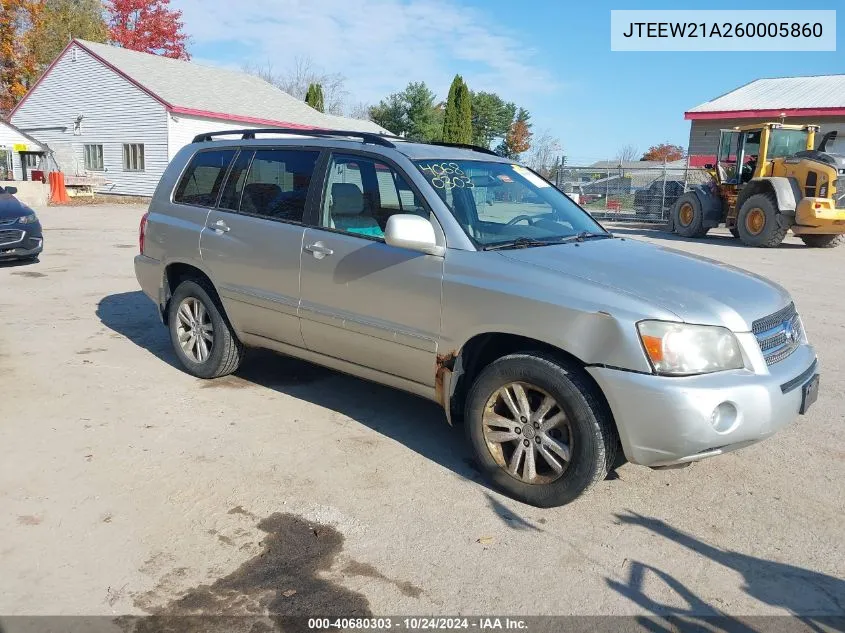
point(19, 20)
point(149, 26)
point(664, 153)
point(518, 137)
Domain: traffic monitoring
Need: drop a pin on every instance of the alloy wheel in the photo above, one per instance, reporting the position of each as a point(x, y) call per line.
point(194, 329)
point(528, 433)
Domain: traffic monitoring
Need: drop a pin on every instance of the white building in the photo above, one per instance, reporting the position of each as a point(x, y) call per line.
point(122, 115)
point(19, 153)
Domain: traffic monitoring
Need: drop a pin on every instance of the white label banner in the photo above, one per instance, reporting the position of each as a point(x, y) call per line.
point(707, 30)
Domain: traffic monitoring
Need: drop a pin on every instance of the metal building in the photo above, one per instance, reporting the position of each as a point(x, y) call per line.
point(815, 99)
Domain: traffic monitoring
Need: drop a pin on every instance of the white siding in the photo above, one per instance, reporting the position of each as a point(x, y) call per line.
point(182, 129)
point(8, 139)
point(704, 134)
point(114, 111)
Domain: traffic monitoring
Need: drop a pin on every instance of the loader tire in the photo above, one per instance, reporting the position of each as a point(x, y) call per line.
point(688, 216)
point(758, 222)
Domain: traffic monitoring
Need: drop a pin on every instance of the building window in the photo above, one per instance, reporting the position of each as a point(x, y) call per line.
point(94, 157)
point(30, 161)
point(133, 157)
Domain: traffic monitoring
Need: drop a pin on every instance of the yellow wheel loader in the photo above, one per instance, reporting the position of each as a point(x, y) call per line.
point(769, 180)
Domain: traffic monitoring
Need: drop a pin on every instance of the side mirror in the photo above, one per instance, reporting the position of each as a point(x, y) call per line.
point(12, 190)
point(404, 230)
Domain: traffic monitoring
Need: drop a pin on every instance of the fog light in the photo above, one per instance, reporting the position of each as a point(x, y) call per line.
point(723, 417)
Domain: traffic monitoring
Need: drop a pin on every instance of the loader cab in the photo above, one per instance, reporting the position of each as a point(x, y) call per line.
point(739, 155)
point(740, 150)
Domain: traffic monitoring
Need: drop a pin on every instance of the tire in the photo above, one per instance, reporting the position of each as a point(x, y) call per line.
point(226, 351)
point(688, 216)
point(590, 435)
point(822, 241)
point(734, 232)
point(762, 207)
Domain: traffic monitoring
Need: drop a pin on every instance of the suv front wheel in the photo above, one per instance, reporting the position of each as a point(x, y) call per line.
point(539, 429)
point(201, 336)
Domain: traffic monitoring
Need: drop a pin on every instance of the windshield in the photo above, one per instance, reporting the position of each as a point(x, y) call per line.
point(786, 143)
point(498, 203)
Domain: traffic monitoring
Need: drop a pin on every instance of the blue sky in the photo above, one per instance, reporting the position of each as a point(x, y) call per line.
point(551, 57)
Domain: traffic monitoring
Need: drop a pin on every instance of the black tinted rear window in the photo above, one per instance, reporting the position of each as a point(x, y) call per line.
point(202, 180)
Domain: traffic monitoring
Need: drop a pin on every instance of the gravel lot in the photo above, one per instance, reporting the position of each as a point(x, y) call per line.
point(127, 486)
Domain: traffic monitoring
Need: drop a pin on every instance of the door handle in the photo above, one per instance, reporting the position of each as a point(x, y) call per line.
point(318, 250)
point(221, 226)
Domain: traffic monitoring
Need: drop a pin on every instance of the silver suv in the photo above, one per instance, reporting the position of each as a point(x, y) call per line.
point(459, 276)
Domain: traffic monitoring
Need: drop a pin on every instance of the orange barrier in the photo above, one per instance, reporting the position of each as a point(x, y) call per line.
point(58, 193)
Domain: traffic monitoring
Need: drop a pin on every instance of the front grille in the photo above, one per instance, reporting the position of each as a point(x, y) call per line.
point(773, 320)
point(10, 236)
point(7, 221)
point(778, 334)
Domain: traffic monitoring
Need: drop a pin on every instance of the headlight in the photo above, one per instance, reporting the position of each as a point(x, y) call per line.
point(678, 349)
point(28, 219)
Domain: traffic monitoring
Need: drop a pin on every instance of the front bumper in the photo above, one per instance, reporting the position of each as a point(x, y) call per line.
point(29, 244)
point(667, 420)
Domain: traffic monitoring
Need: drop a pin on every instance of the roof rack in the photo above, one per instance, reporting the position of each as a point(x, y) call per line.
point(474, 148)
point(366, 137)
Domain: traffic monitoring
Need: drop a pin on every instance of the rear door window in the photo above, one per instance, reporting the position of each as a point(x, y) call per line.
point(201, 182)
point(231, 198)
point(276, 185)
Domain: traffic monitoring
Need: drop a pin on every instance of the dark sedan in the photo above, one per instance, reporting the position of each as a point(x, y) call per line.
point(20, 230)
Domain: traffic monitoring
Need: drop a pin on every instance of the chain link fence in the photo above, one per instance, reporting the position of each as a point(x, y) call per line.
point(629, 192)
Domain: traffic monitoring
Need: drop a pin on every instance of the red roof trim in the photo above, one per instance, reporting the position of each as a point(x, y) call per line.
point(123, 74)
point(39, 80)
point(764, 114)
point(239, 118)
point(99, 59)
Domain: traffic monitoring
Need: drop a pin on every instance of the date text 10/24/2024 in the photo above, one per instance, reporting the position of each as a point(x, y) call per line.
point(418, 624)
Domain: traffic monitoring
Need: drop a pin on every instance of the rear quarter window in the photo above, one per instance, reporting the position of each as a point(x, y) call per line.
point(202, 180)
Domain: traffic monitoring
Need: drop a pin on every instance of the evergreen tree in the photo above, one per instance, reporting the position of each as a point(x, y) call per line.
point(457, 122)
point(314, 97)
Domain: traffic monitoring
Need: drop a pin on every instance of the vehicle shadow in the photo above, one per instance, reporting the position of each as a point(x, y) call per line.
point(815, 599)
point(414, 422)
point(662, 234)
point(14, 263)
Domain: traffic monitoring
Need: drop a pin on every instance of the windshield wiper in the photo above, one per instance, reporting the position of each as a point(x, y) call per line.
point(520, 242)
point(585, 235)
point(528, 242)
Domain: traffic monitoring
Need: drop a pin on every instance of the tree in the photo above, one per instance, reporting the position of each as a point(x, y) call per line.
point(518, 138)
point(149, 26)
point(544, 154)
point(19, 21)
point(63, 20)
point(359, 110)
point(390, 113)
point(664, 152)
point(314, 97)
point(627, 153)
point(457, 118)
point(412, 113)
point(491, 117)
point(300, 76)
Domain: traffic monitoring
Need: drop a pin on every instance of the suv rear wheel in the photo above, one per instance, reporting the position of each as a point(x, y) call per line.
point(201, 335)
point(539, 429)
